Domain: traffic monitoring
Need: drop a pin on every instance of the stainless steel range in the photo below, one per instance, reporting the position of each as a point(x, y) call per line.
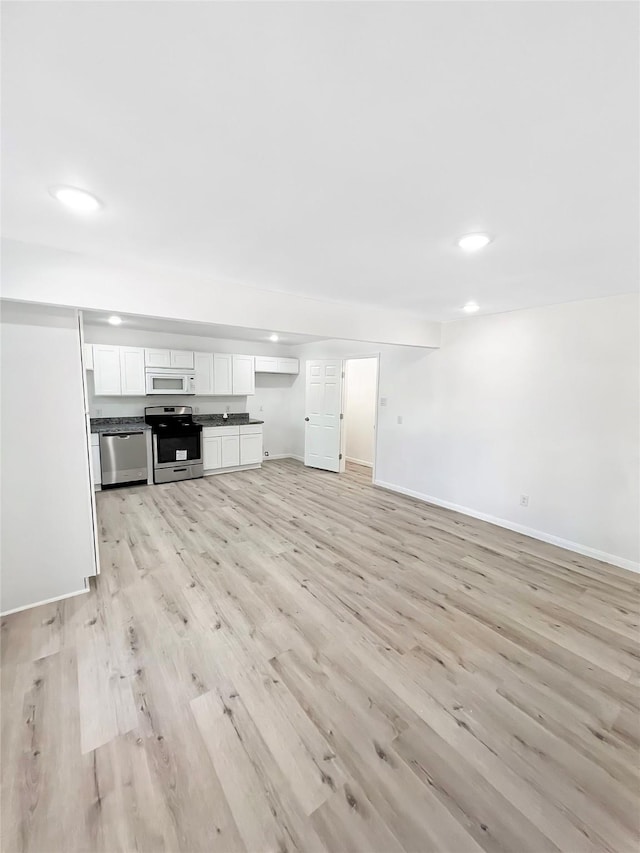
point(177, 443)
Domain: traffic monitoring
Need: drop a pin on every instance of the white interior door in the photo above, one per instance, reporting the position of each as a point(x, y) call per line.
point(322, 417)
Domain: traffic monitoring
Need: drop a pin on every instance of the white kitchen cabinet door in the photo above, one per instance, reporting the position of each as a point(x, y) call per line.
point(251, 449)
point(266, 364)
point(244, 375)
point(182, 358)
point(87, 352)
point(222, 374)
point(203, 363)
point(212, 452)
point(288, 365)
point(96, 469)
point(157, 358)
point(230, 450)
point(106, 371)
point(132, 380)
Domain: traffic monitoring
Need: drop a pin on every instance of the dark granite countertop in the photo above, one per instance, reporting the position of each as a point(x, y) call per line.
point(137, 423)
point(232, 420)
point(118, 424)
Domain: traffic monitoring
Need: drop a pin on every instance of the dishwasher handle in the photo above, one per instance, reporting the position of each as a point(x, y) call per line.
point(121, 434)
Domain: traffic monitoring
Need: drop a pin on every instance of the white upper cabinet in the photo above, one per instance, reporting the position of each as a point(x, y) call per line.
point(118, 371)
point(157, 357)
point(203, 363)
point(271, 364)
point(169, 358)
point(87, 352)
point(244, 376)
point(132, 380)
point(106, 370)
point(266, 364)
point(288, 365)
point(182, 358)
point(223, 374)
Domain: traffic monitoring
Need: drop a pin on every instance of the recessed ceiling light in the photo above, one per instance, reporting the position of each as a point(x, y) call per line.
point(115, 320)
point(274, 338)
point(78, 200)
point(471, 308)
point(474, 242)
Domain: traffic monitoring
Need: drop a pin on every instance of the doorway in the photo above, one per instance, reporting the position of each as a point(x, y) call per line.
point(360, 410)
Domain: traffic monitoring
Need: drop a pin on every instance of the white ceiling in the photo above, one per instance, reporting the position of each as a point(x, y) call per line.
point(334, 149)
point(206, 330)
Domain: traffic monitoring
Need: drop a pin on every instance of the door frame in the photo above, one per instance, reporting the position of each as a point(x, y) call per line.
point(343, 430)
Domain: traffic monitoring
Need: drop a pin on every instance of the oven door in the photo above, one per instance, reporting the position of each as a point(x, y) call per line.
point(172, 447)
point(169, 382)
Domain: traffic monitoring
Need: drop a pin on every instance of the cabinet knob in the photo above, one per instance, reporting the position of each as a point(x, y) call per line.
point(306, 419)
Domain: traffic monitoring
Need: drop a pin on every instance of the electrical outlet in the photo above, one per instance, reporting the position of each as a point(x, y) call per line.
point(261, 409)
point(98, 412)
point(400, 419)
point(383, 401)
point(196, 409)
point(524, 500)
point(228, 409)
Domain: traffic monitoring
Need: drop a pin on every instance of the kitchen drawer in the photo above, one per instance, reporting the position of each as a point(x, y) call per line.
point(225, 430)
point(250, 429)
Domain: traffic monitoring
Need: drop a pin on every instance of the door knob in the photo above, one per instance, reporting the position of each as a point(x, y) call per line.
point(306, 419)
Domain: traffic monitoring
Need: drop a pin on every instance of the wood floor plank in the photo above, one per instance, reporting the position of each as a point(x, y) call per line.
point(292, 660)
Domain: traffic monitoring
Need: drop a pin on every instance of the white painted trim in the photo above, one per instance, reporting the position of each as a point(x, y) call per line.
point(273, 456)
point(343, 443)
point(360, 462)
point(584, 550)
point(46, 601)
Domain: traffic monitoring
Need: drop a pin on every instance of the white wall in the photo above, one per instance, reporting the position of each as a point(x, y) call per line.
point(542, 402)
point(47, 534)
point(361, 376)
point(34, 273)
point(271, 402)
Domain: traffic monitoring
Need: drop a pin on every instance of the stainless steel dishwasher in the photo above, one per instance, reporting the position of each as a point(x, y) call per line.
point(123, 457)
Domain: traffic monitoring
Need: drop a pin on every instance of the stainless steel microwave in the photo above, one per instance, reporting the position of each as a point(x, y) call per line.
point(168, 380)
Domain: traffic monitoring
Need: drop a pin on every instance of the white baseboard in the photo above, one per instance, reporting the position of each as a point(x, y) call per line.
point(359, 461)
point(278, 456)
point(229, 470)
point(46, 601)
point(576, 547)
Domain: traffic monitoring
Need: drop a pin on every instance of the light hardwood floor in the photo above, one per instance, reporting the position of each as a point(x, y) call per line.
point(288, 659)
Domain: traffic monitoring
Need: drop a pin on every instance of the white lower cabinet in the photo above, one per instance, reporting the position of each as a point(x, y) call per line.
point(230, 451)
point(212, 452)
point(231, 446)
point(251, 449)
